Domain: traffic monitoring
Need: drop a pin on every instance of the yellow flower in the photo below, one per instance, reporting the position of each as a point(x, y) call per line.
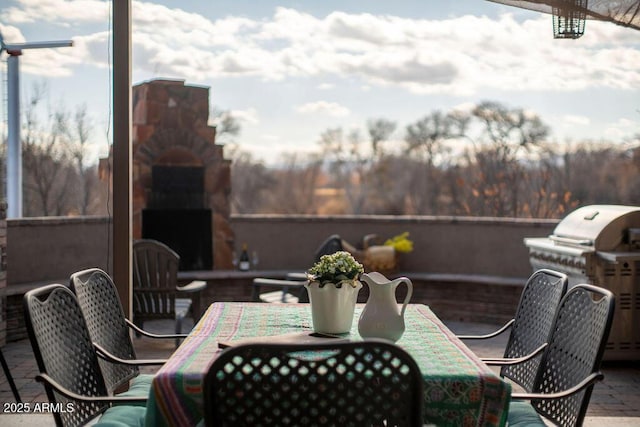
point(401, 243)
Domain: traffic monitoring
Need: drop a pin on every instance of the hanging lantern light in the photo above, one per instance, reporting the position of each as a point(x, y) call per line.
point(569, 18)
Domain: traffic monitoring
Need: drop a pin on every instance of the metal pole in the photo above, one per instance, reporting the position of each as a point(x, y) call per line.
point(14, 144)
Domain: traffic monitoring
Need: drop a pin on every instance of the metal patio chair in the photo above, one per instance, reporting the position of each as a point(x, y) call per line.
point(570, 365)
point(292, 289)
point(110, 331)
point(68, 362)
point(366, 383)
point(155, 285)
point(530, 327)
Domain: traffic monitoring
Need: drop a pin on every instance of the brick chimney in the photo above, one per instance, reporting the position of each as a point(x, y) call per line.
point(181, 181)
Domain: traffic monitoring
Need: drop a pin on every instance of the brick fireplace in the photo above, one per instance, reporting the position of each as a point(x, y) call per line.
point(181, 181)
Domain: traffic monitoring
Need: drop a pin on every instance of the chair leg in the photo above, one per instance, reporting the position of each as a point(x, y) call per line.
point(7, 373)
point(178, 329)
point(303, 296)
point(139, 323)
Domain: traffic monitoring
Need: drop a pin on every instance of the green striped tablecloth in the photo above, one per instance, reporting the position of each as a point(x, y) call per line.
point(459, 389)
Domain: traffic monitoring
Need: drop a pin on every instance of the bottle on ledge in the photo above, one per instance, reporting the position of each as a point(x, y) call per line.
point(245, 263)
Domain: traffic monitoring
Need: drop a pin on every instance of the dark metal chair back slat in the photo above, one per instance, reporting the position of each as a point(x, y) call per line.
point(575, 351)
point(368, 383)
point(530, 328)
point(102, 310)
point(532, 324)
point(64, 351)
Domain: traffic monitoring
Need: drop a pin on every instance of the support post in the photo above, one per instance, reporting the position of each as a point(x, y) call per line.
point(122, 151)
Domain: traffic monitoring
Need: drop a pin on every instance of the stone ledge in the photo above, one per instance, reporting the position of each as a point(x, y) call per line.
point(461, 297)
point(216, 275)
point(466, 278)
point(23, 288)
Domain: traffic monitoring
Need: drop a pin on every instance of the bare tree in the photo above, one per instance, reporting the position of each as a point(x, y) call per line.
point(58, 180)
point(250, 180)
point(227, 125)
point(349, 166)
point(380, 130)
point(425, 138)
point(78, 136)
point(46, 176)
point(505, 134)
point(296, 185)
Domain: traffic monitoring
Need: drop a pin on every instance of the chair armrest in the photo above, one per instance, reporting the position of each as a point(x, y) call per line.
point(501, 361)
point(297, 275)
point(279, 283)
point(284, 285)
point(487, 336)
point(104, 354)
point(592, 378)
point(195, 286)
point(44, 378)
point(150, 335)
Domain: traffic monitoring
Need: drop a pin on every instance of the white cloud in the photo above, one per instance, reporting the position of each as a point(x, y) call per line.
point(323, 107)
point(57, 11)
point(54, 62)
point(249, 116)
point(621, 128)
point(465, 107)
point(326, 86)
point(270, 137)
point(461, 55)
point(572, 120)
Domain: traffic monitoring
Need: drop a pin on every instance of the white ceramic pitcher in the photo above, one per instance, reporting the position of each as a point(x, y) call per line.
point(381, 317)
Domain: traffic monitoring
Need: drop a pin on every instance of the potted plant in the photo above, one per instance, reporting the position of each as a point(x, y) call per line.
point(333, 288)
point(383, 256)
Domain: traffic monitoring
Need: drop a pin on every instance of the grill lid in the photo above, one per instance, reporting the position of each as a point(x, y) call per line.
point(603, 227)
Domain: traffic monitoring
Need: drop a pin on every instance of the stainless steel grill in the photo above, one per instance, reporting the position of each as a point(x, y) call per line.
point(600, 244)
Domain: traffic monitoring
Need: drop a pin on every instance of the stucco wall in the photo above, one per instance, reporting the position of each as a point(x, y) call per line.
point(42, 249)
point(455, 245)
point(51, 248)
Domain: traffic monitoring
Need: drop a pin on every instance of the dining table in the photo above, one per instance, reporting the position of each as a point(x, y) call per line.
point(459, 389)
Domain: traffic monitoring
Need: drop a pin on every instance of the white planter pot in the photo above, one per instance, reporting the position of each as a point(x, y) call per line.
point(331, 307)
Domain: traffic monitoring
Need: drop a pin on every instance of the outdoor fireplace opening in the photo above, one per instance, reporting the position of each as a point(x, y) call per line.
point(177, 187)
point(186, 231)
point(176, 215)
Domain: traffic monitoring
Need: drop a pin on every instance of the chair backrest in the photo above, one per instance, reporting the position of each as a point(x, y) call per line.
point(533, 321)
point(346, 384)
point(155, 276)
point(330, 246)
point(532, 324)
point(63, 350)
point(100, 305)
point(575, 351)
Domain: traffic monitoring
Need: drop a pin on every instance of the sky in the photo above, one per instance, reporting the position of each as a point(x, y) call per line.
point(289, 70)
